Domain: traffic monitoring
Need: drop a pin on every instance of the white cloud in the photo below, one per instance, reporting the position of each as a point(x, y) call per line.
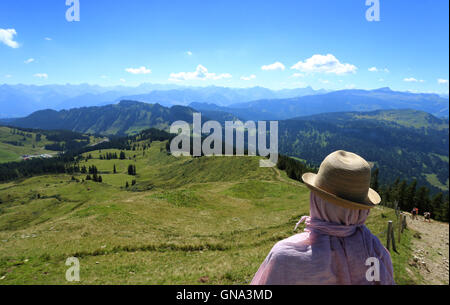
point(275, 66)
point(8, 76)
point(413, 80)
point(123, 80)
point(29, 60)
point(298, 75)
point(375, 69)
point(7, 37)
point(41, 75)
point(200, 73)
point(104, 76)
point(324, 64)
point(253, 76)
point(47, 38)
point(189, 53)
point(141, 70)
point(442, 81)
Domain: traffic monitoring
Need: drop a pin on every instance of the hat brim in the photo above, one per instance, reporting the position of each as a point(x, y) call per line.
point(372, 200)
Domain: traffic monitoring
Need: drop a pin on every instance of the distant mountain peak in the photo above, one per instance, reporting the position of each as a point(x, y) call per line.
point(129, 117)
point(384, 89)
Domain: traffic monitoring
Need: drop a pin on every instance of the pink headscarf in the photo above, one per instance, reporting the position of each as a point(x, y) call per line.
point(333, 250)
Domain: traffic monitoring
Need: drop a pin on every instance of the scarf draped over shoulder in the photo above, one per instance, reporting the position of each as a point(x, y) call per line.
point(336, 248)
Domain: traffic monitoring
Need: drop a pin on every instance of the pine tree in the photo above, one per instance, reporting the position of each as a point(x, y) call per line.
point(410, 196)
point(132, 170)
point(445, 209)
point(396, 182)
point(374, 181)
point(437, 205)
point(422, 199)
point(385, 196)
point(126, 185)
point(392, 193)
point(114, 170)
point(93, 169)
point(401, 197)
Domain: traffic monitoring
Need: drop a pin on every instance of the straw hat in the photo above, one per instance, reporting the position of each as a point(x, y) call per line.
point(344, 180)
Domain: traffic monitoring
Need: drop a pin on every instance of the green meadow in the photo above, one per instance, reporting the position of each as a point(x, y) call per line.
point(29, 145)
point(14, 143)
point(185, 221)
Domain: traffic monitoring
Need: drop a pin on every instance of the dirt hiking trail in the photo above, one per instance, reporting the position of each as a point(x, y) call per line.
point(431, 251)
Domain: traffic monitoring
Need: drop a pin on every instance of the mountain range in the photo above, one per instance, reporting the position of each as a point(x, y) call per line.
point(405, 143)
point(404, 134)
point(337, 101)
point(22, 100)
point(126, 117)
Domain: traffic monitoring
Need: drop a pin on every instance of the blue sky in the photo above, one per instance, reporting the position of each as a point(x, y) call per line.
point(276, 44)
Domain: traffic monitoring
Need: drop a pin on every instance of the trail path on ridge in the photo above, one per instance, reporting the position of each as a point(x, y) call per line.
point(431, 250)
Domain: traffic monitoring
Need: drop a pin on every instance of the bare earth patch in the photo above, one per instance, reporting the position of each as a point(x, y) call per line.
point(431, 250)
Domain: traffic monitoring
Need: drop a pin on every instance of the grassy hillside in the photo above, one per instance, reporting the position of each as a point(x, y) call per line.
point(124, 118)
point(17, 142)
point(399, 117)
point(185, 221)
point(403, 144)
point(14, 145)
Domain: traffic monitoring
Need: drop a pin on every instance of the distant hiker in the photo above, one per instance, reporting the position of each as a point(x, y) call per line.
point(336, 246)
point(427, 216)
point(414, 213)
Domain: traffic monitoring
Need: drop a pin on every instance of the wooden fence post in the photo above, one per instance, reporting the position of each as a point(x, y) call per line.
point(393, 241)
point(389, 234)
point(400, 226)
